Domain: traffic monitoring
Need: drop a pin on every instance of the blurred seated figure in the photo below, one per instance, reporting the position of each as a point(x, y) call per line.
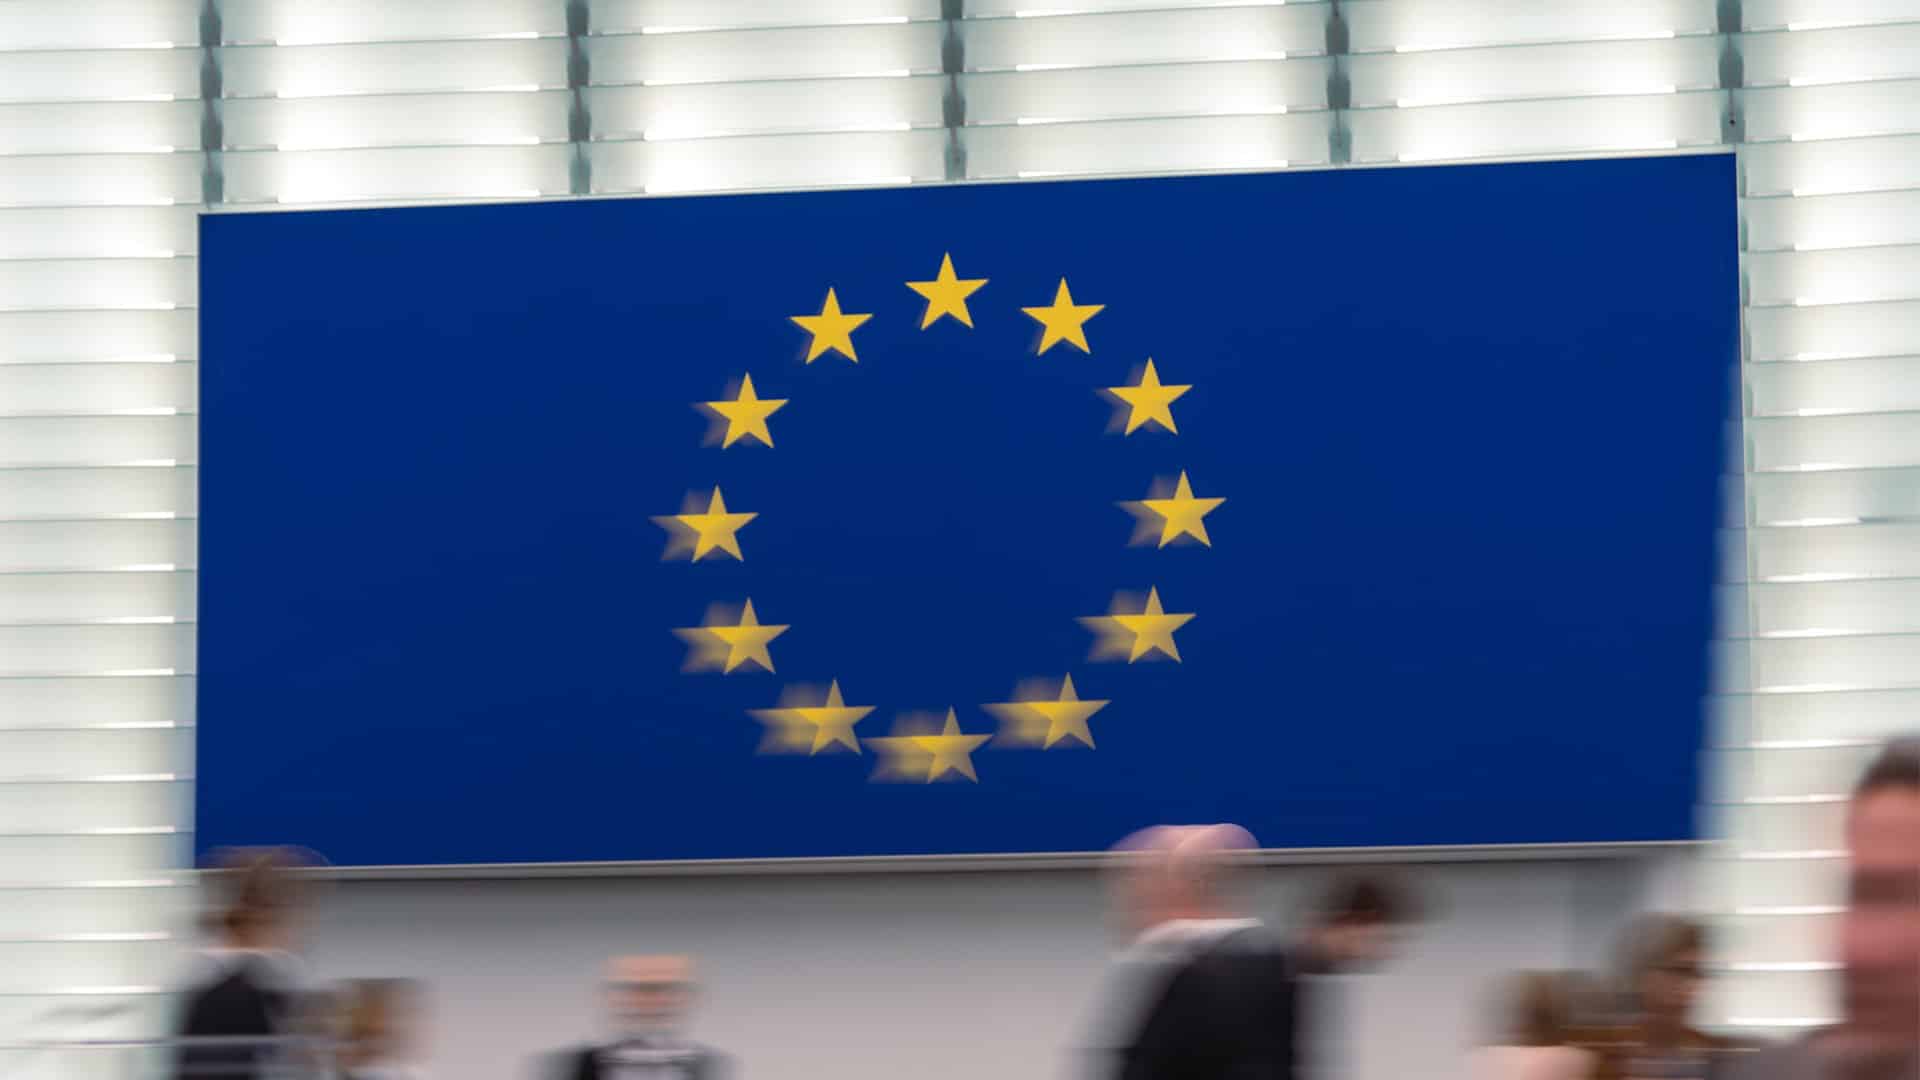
point(379, 1036)
point(1537, 1034)
point(245, 991)
point(648, 1000)
point(1665, 965)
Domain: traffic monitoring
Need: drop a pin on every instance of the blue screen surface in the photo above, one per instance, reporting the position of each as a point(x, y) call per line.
point(1467, 422)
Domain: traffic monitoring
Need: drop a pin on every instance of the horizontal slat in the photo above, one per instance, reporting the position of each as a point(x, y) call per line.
point(415, 173)
point(719, 109)
point(120, 232)
point(1832, 166)
point(1872, 661)
point(1562, 126)
point(97, 860)
point(1840, 330)
point(1155, 90)
point(119, 703)
point(100, 128)
point(769, 162)
point(1855, 494)
point(109, 75)
point(1876, 440)
point(1762, 939)
point(1839, 551)
point(662, 16)
point(29, 650)
point(26, 494)
point(1408, 25)
point(97, 440)
point(729, 56)
point(1145, 37)
point(94, 754)
point(1777, 829)
point(1831, 112)
point(106, 24)
point(1818, 607)
point(27, 598)
point(94, 1016)
point(97, 283)
point(303, 22)
point(1862, 716)
point(330, 70)
point(1796, 14)
point(1890, 383)
point(27, 967)
point(100, 180)
point(1148, 146)
point(49, 914)
point(1539, 71)
point(1002, 9)
point(402, 120)
point(1825, 221)
point(1809, 998)
point(97, 545)
point(1890, 272)
point(84, 388)
point(1751, 888)
point(1783, 775)
point(1823, 56)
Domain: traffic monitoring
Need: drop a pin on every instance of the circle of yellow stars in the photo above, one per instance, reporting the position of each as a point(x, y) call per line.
point(921, 748)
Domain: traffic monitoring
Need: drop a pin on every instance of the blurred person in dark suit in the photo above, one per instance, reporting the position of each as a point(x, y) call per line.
point(245, 989)
point(648, 999)
point(1878, 1036)
point(1665, 961)
point(380, 1031)
point(1536, 1042)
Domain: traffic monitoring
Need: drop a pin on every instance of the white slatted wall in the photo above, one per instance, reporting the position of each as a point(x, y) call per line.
point(121, 119)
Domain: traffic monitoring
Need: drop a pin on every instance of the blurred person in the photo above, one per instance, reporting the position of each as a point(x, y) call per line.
point(1665, 964)
point(379, 1037)
point(648, 1000)
point(245, 989)
point(1878, 1036)
point(1536, 1042)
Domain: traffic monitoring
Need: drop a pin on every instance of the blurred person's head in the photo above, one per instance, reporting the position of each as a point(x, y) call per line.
point(380, 1021)
point(1174, 872)
point(650, 996)
point(259, 898)
point(1536, 1009)
point(1666, 959)
point(1359, 921)
point(1880, 937)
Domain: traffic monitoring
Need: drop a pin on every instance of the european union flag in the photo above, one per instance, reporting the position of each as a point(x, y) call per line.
point(1358, 507)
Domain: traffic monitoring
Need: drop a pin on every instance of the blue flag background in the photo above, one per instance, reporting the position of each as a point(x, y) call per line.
point(1468, 423)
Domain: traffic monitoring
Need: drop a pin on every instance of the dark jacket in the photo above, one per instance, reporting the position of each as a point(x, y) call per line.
point(694, 1063)
point(1229, 1012)
point(234, 1004)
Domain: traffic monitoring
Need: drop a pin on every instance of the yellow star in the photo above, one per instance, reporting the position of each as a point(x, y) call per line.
point(1182, 515)
point(1065, 320)
point(710, 531)
point(946, 294)
point(1149, 401)
point(727, 647)
point(831, 329)
point(947, 751)
point(746, 415)
point(1152, 630)
point(831, 723)
point(1064, 716)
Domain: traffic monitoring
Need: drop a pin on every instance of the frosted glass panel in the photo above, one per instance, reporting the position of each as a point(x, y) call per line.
point(1754, 887)
point(1782, 14)
point(1884, 217)
point(1764, 998)
point(71, 493)
point(1812, 772)
point(96, 545)
point(1811, 333)
point(662, 16)
point(1564, 126)
point(1386, 25)
point(707, 109)
point(123, 232)
point(404, 120)
point(475, 172)
point(96, 754)
point(29, 598)
point(98, 283)
point(81, 702)
point(1153, 90)
point(1835, 277)
point(1543, 71)
point(118, 75)
point(1840, 551)
point(296, 22)
point(1760, 939)
point(1147, 146)
point(24, 968)
point(1887, 383)
point(106, 24)
point(1875, 440)
point(1751, 829)
point(1878, 52)
point(896, 49)
point(59, 650)
point(1227, 33)
point(91, 388)
point(100, 128)
point(89, 440)
point(1831, 112)
point(1880, 607)
point(100, 180)
point(323, 70)
point(43, 913)
point(1892, 660)
point(28, 336)
point(1865, 716)
point(1833, 168)
point(1870, 494)
point(39, 860)
point(772, 161)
